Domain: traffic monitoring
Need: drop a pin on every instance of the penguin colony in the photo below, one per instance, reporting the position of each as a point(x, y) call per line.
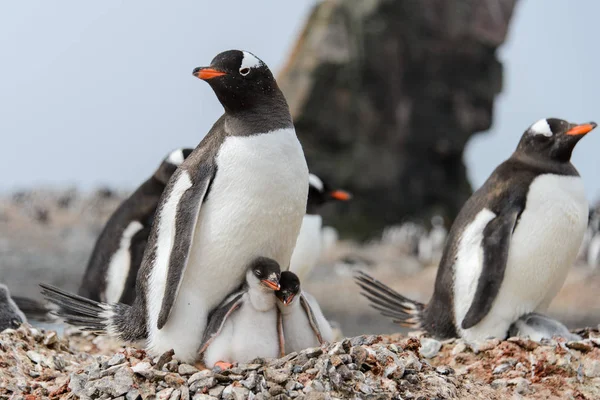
point(207, 256)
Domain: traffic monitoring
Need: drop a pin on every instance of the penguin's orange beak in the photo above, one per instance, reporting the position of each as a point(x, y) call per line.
point(340, 195)
point(581, 129)
point(288, 299)
point(270, 284)
point(206, 73)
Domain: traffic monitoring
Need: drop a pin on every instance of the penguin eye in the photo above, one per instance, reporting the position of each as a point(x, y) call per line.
point(258, 273)
point(244, 71)
point(15, 323)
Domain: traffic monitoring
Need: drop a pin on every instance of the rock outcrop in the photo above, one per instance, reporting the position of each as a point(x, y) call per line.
point(385, 95)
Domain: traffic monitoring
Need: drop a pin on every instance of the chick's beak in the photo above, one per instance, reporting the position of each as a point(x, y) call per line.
point(288, 299)
point(206, 73)
point(271, 284)
point(581, 129)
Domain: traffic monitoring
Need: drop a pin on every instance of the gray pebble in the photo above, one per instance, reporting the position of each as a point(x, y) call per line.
point(430, 347)
point(216, 391)
point(186, 369)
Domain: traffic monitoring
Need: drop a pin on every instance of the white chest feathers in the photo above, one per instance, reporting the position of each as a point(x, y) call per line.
point(120, 264)
point(543, 247)
point(254, 208)
point(308, 247)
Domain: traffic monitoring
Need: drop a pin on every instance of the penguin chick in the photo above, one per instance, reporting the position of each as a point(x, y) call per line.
point(310, 242)
point(304, 325)
point(537, 326)
point(244, 326)
point(10, 315)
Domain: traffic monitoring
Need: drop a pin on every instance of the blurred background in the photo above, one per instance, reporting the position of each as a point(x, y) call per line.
point(407, 104)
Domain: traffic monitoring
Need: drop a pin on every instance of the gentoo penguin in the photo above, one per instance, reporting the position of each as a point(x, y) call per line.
point(310, 240)
point(538, 326)
point(241, 193)
point(244, 326)
point(511, 245)
point(10, 315)
point(113, 265)
point(303, 322)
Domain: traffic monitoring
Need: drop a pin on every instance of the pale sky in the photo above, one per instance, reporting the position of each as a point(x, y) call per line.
point(97, 92)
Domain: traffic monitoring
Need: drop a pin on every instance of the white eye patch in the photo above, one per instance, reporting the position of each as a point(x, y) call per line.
point(541, 128)
point(176, 157)
point(250, 61)
point(315, 182)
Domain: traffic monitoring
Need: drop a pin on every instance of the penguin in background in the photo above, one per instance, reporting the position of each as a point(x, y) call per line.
point(311, 240)
point(242, 192)
point(112, 269)
point(244, 326)
point(431, 245)
point(510, 247)
point(538, 326)
point(301, 319)
point(11, 316)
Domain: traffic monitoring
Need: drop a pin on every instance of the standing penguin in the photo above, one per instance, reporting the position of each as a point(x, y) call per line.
point(10, 315)
point(113, 266)
point(241, 193)
point(310, 239)
point(510, 247)
point(304, 325)
point(244, 326)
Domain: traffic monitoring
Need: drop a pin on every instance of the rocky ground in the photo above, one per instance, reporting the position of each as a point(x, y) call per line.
point(40, 364)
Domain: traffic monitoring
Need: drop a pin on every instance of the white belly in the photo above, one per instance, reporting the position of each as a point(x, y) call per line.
point(247, 334)
point(308, 247)
point(254, 208)
point(298, 333)
point(543, 248)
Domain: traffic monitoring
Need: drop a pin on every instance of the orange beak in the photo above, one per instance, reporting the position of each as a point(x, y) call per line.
point(581, 129)
point(206, 73)
point(288, 300)
point(270, 284)
point(341, 195)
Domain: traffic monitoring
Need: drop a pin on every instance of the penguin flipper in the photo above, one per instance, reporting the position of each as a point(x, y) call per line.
point(311, 318)
point(218, 317)
point(177, 214)
point(495, 243)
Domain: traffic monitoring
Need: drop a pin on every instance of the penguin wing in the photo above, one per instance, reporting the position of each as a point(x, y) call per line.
point(174, 229)
point(218, 317)
point(495, 243)
point(311, 318)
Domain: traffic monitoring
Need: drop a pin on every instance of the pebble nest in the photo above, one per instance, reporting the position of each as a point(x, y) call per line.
point(41, 364)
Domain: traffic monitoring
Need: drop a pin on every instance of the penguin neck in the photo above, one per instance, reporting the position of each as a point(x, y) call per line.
point(544, 164)
point(267, 116)
point(290, 308)
point(261, 299)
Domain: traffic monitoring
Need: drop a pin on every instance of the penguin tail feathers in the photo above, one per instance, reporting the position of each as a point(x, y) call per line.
point(35, 309)
point(389, 303)
point(88, 315)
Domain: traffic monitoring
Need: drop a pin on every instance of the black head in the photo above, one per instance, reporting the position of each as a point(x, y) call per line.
point(266, 271)
point(290, 287)
point(170, 164)
point(320, 193)
point(241, 81)
point(553, 139)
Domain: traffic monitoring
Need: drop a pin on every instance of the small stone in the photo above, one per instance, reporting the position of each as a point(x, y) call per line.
point(133, 394)
point(430, 347)
point(185, 393)
point(277, 376)
point(186, 369)
point(50, 338)
point(118, 358)
point(591, 368)
point(521, 385)
point(164, 394)
point(198, 375)
point(175, 395)
point(501, 368)
point(202, 384)
point(144, 369)
point(250, 367)
point(35, 357)
point(317, 386)
point(337, 348)
point(171, 366)
point(250, 381)
point(313, 352)
point(201, 396)
point(164, 358)
point(499, 383)
point(336, 361)
point(315, 396)
point(484, 345)
point(235, 393)
point(580, 345)
point(216, 391)
point(276, 389)
point(444, 370)
point(365, 388)
point(460, 347)
point(359, 355)
point(523, 343)
point(77, 383)
point(174, 379)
